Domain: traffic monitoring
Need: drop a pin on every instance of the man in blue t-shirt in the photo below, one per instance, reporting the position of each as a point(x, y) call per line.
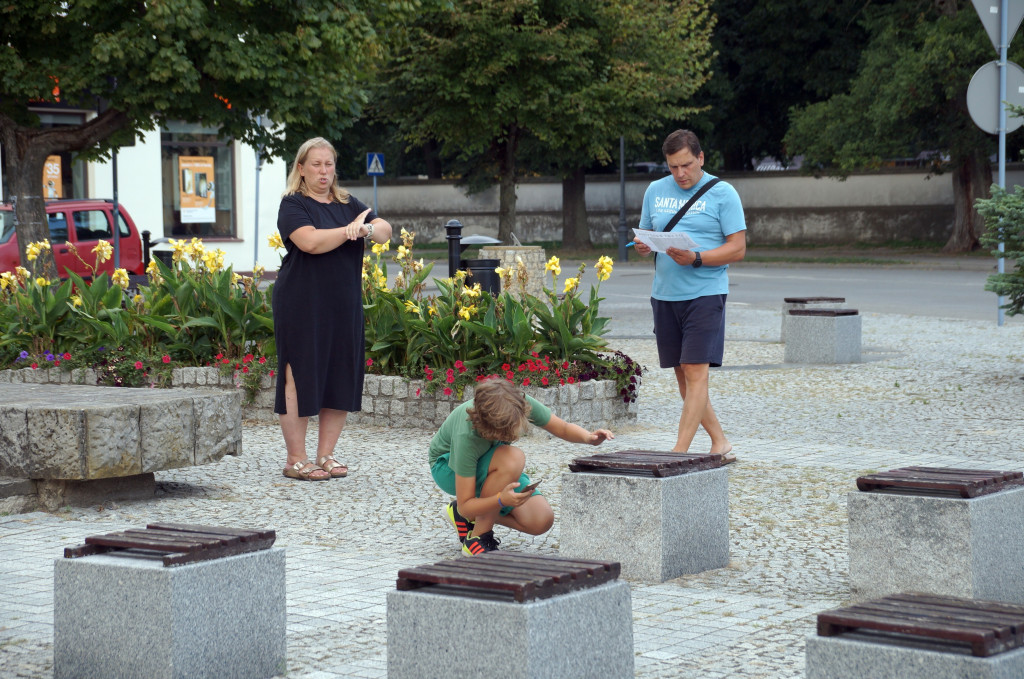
point(690, 286)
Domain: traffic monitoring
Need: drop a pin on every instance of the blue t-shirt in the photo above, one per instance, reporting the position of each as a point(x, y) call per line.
point(715, 215)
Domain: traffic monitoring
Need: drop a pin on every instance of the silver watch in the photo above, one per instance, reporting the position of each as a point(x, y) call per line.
point(369, 229)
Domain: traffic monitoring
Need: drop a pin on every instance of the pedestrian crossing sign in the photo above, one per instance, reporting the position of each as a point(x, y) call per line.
point(375, 164)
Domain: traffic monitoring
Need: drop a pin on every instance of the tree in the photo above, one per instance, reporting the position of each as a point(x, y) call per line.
point(139, 64)
point(568, 76)
point(908, 99)
point(769, 57)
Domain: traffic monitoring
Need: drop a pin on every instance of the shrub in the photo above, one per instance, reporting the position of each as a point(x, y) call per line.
point(1004, 221)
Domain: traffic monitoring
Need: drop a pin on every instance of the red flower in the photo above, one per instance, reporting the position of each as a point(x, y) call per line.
point(248, 358)
point(245, 369)
point(56, 361)
point(572, 380)
point(459, 364)
point(225, 361)
point(522, 367)
point(417, 391)
point(271, 373)
point(561, 381)
point(219, 356)
point(263, 359)
point(449, 372)
point(369, 362)
point(34, 366)
point(565, 365)
point(506, 367)
point(66, 356)
point(166, 358)
point(544, 381)
point(526, 381)
point(138, 365)
point(447, 391)
point(509, 374)
point(450, 379)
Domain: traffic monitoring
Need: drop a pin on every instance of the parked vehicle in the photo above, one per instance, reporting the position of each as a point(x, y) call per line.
point(83, 223)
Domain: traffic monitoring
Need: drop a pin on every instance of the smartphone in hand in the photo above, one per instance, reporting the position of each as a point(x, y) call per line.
point(532, 487)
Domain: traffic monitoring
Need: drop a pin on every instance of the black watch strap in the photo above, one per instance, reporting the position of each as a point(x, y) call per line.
point(697, 263)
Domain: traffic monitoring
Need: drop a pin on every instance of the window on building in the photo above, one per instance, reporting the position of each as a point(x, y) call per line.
point(198, 182)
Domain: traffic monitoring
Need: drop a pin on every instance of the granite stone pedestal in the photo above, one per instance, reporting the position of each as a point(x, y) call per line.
point(937, 545)
point(585, 633)
point(120, 617)
point(850, 657)
point(790, 303)
point(832, 337)
point(656, 528)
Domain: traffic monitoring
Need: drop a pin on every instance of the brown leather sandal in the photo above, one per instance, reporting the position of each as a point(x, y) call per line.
point(330, 465)
point(304, 470)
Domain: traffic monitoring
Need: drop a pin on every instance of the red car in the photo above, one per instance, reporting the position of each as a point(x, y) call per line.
point(83, 223)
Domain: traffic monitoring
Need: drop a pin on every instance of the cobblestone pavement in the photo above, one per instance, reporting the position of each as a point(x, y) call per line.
point(930, 391)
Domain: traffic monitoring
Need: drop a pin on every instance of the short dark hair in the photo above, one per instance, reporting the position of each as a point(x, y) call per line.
point(679, 140)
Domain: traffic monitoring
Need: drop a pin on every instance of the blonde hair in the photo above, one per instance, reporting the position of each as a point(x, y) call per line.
point(296, 184)
point(500, 411)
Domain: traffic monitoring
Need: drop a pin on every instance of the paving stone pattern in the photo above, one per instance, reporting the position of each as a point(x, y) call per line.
point(930, 392)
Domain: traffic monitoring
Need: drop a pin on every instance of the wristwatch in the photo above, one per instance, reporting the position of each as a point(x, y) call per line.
point(696, 262)
point(369, 229)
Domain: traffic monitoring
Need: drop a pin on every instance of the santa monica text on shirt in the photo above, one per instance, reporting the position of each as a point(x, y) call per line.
point(673, 204)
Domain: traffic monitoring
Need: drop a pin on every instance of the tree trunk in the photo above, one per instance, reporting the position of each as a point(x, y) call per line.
point(507, 192)
point(575, 232)
point(971, 180)
point(26, 151)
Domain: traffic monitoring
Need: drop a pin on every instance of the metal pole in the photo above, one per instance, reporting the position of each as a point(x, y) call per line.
point(1004, 9)
point(256, 220)
point(117, 221)
point(375, 195)
point(454, 230)
point(623, 255)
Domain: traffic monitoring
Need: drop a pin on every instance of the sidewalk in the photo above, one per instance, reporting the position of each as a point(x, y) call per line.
point(930, 391)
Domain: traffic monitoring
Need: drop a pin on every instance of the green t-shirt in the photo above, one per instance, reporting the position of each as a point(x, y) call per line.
point(457, 436)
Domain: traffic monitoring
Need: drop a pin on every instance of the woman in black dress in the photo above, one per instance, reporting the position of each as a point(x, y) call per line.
point(318, 309)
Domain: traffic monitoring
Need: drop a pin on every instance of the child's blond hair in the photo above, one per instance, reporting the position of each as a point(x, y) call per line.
point(499, 411)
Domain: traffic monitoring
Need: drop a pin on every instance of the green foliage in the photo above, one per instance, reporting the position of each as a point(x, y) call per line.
point(189, 312)
point(464, 334)
point(1004, 220)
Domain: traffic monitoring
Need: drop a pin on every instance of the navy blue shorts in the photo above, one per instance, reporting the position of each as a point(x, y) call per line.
point(690, 332)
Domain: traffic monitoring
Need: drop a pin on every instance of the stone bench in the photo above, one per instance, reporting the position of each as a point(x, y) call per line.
point(790, 303)
point(515, 616)
point(120, 613)
point(823, 336)
point(80, 442)
point(660, 515)
point(918, 636)
point(951, 532)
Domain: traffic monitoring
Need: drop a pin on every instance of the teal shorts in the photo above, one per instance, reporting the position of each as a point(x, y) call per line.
point(444, 476)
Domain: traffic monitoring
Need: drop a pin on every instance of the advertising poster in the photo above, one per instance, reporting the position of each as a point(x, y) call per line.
point(198, 204)
point(53, 184)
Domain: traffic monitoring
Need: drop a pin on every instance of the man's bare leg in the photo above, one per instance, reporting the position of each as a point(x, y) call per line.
point(697, 410)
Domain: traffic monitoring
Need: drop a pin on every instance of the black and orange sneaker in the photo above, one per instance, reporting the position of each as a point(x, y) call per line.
point(462, 525)
point(479, 544)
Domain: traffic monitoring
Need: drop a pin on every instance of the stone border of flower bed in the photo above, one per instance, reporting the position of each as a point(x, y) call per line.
point(387, 401)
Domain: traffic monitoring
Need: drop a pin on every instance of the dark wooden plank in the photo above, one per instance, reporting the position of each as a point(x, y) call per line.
point(811, 300)
point(966, 483)
point(654, 463)
point(823, 312)
point(834, 623)
point(244, 533)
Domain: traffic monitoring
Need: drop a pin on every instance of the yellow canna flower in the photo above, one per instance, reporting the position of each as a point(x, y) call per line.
point(76, 300)
point(42, 282)
point(411, 307)
point(381, 247)
point(553, 266)
point(22, 273)
point(402, 252)
point(179, 247)
point(104, 251)
point(570, 284)
point(275, 241)
point(137, 299)
point(258, 271)
point(472, 291)
point(120, 277)
point(431, 310)
point(604, 267)
point(152, 267)
point(7, 280)
point(408, 237)
point(235, 278)
point(33, 250)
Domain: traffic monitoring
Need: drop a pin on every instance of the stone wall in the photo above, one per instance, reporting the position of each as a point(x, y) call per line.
point(387, 401)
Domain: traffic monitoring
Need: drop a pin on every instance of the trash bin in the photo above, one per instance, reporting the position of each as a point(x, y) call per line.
point(165, 256)
point(483, 272)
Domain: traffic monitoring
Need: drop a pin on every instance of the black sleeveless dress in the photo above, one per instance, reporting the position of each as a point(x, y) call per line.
point(318, 310)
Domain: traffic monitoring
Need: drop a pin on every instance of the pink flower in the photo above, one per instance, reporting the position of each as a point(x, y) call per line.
point(166, 358)
point(369, 362)
point(138, 365)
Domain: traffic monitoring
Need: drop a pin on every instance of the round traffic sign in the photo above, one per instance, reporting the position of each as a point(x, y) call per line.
point(983, 96)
